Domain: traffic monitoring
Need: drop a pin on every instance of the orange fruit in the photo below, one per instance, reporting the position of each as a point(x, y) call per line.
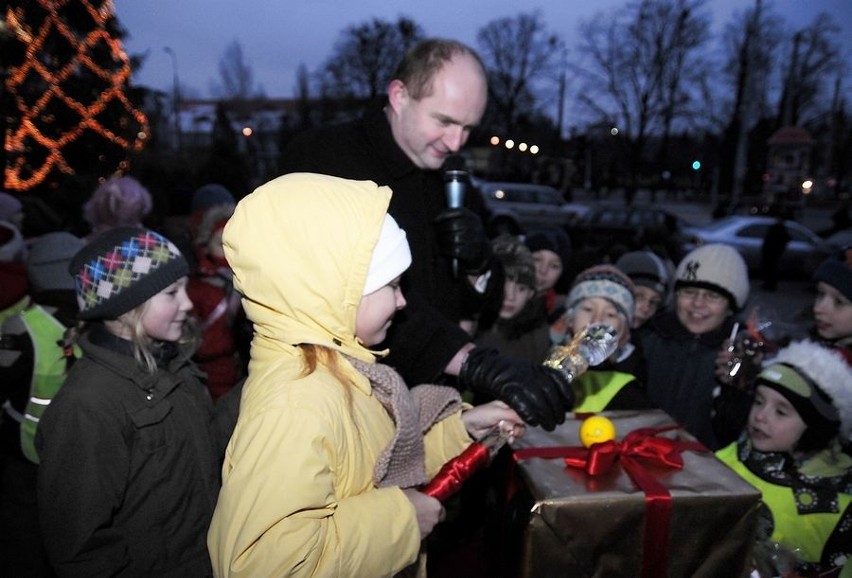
point(596, 429)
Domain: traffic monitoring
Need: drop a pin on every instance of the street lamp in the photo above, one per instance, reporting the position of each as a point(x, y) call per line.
point(175, 94)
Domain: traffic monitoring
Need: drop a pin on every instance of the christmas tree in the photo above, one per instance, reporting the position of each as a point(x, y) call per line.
point(70, 113)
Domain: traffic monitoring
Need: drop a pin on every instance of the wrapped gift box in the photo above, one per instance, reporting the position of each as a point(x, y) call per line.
point(574, 524)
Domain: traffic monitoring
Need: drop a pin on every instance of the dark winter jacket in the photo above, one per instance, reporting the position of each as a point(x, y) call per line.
point(129, 475)
point(681, 373)
point(425, 335)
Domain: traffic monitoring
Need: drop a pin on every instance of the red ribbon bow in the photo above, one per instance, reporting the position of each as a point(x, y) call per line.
point(638, 446)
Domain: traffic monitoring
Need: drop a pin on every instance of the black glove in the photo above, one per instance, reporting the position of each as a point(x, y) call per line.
point(540, 395)
point(461, 235)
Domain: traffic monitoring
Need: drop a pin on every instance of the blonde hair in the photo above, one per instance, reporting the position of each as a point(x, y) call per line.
point(142, 345)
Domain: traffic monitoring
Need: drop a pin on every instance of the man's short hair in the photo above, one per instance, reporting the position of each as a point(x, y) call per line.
point(423, 61)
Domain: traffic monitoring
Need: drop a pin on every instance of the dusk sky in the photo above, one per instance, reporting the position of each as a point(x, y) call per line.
point(277, 36)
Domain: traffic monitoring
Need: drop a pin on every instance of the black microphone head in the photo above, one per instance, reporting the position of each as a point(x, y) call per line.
point(455, 163)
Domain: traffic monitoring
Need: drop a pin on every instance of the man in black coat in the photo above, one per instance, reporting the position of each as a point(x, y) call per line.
point(437, 95)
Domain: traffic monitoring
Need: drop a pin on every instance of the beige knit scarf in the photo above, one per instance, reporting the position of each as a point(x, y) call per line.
point(402, 462)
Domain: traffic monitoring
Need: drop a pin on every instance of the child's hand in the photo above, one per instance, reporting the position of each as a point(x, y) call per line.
point(479, 420)
point(429, 511)
point(724, 361)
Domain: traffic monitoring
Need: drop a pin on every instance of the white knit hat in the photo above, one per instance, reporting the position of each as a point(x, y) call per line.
point(717, 267)
point(391, 256)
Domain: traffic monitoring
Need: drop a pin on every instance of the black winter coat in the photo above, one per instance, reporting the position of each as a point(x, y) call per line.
point(425, 335)
point(681, 373)
point(129, 474)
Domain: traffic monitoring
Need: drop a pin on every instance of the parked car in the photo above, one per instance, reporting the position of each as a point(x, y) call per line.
point(609, 228)
point(802, 255)
point(519, 207)
point(840, 240)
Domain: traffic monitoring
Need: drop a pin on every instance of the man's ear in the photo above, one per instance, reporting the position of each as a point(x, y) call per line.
point(397, 94)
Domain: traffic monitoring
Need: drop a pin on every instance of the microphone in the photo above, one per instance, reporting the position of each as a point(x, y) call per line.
point(455, 180)
point(455, 184)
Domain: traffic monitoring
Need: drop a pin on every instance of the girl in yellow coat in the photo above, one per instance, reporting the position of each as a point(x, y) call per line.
point(320, 475)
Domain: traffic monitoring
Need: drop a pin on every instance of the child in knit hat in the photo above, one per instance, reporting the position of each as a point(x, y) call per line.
point(13, 273)
point(832, 307)
point(711, 287)
point(216, 304)
point(652, 279)
point(322, 470)
point(551, 250)
point(34, 363)
point(791, 451)
point(33, 366)
point(520, 329)
point(129, 475)
point(603, 294)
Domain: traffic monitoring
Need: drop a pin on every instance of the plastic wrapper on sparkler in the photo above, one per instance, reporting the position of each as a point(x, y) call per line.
point(589, 348)
point(749, 347)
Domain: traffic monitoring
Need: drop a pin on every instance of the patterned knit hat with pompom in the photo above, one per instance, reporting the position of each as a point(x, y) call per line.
point(604, 281)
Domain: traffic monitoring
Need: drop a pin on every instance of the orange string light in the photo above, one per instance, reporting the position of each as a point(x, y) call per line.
point(21, 139)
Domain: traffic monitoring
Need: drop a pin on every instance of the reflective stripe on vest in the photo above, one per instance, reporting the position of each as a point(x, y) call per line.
point(596, 389)
point(805, 533)
point(49, 368)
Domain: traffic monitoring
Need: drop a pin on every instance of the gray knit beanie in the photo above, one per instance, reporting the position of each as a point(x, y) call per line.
point(48, 259)
point(646, 269)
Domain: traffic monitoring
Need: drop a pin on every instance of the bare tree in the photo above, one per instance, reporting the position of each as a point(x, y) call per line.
point(521, 56)
point(639, 69)
point(365, 57)
point(235, 74)
point(749, 42)
point(809, 73)
point(679, 29)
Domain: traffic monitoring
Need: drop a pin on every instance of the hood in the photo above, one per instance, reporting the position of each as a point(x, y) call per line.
point(300, 247)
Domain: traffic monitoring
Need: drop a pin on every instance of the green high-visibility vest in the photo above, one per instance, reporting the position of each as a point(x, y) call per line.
point(805, 533)
point(49, 369)
point(595, 389)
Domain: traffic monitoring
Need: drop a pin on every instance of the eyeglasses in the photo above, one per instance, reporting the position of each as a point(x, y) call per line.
point(694, 293)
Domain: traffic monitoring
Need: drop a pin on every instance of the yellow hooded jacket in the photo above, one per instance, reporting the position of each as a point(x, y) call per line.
point(298, 497)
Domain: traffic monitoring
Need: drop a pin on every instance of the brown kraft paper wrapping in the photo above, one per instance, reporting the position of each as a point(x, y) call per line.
point(580, 525)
